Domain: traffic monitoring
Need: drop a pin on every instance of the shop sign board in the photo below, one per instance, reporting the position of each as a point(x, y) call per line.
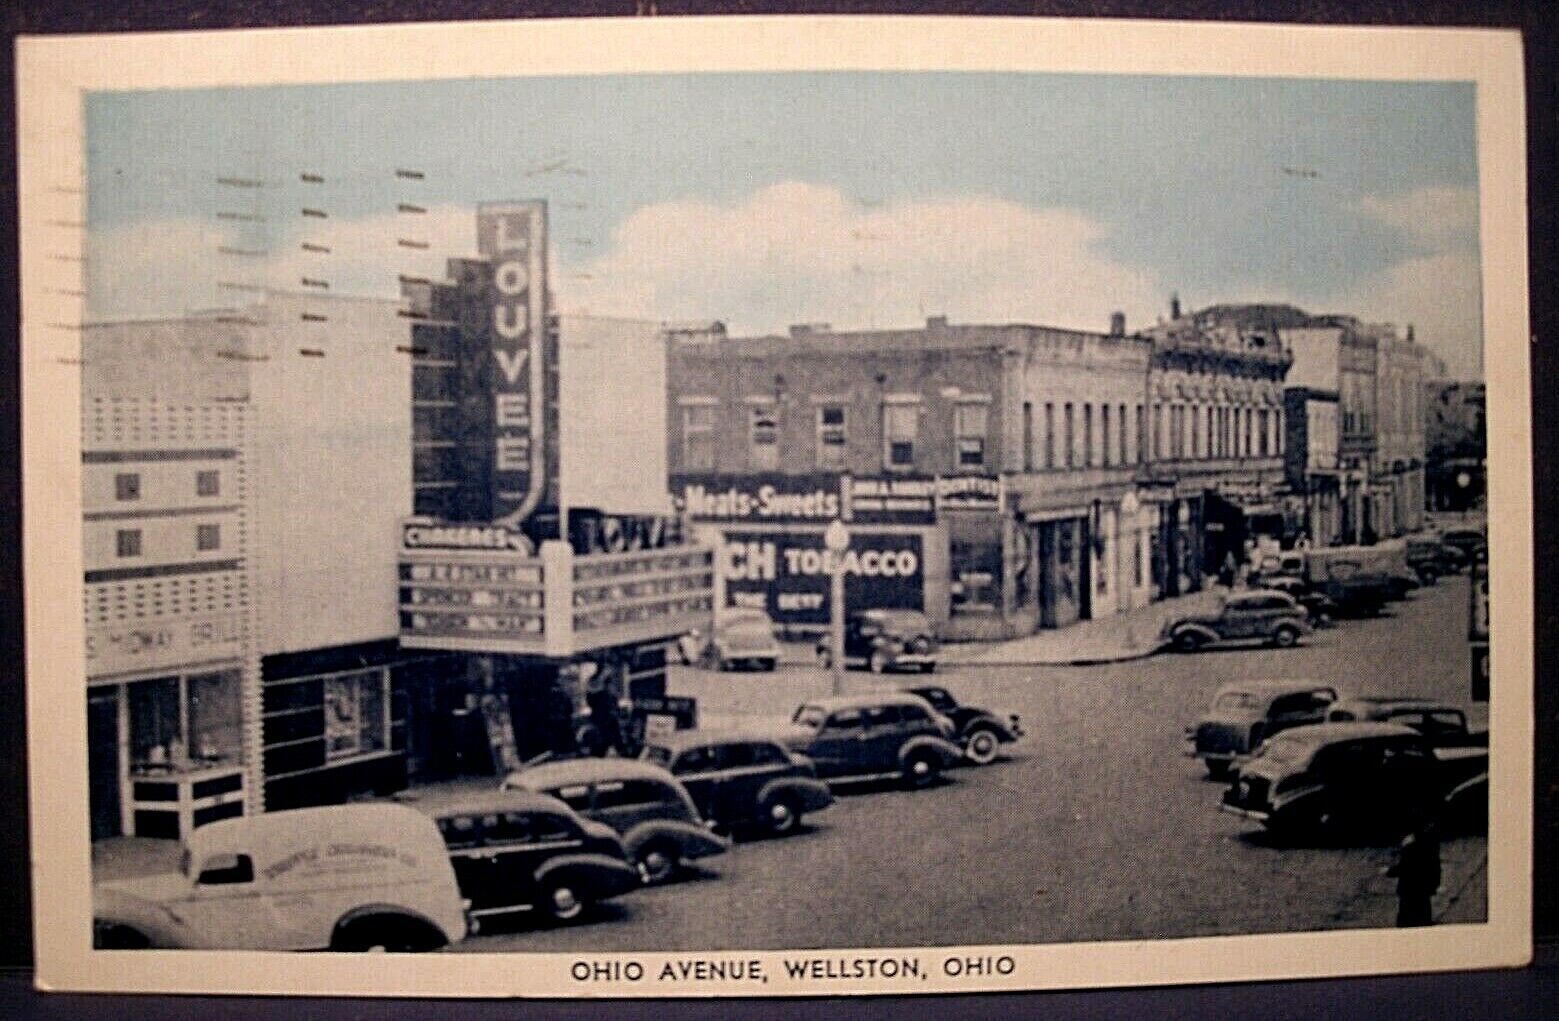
point(787, 575)
point(969, 492)
point(160, 644)
point(782, 499)
point(891, 499)
point(512, 236)
point(433, 535)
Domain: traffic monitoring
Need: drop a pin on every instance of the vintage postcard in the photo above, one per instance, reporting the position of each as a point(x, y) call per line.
point(789, 506)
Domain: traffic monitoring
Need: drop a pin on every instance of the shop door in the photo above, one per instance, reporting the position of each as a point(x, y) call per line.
point(103, 763)
point(1085, 570)
point(1047, 574)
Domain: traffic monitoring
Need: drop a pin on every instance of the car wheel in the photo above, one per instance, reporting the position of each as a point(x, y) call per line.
point(1285, 636)
point(782, 815)
point(1188, 641)
point(385, 935)
point(982, 747)
point(921, 769)
point(658, 861)
point(118, 937)
point(1217, 769)
point(562, 901)
point(927, 668)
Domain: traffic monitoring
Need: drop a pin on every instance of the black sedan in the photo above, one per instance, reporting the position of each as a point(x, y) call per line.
point(980, 732)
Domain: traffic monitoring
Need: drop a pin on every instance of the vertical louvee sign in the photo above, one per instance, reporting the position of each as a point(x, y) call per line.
point(512, 236)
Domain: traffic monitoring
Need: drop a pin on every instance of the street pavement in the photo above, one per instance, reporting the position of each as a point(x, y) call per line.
point(1094, 828)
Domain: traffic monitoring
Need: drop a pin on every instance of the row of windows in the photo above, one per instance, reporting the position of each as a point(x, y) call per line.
point(127, 485)
point(127, 541)
point(900, 436)
point(1068, 435)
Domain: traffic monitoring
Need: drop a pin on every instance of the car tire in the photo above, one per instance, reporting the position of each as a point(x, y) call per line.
point(921, 769)
point(658, 861)
point(768, 666)
point(1188, 641)
point(782, 815)
point(1286, 636)
point(118, 937)
point(878, 663)
point(1217, 769)
point(927, 668)
point(386, 934)
point(982, 746)
point(563, 901)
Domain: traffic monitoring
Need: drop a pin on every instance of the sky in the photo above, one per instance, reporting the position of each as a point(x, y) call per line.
point(860, 199)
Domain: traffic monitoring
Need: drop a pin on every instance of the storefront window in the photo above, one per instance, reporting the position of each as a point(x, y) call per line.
point(354, 713)
point(215, 722)
point(154, 723)
point(975, 558)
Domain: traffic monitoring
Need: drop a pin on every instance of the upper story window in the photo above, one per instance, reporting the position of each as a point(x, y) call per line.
point(1028, 436)
point(900, 426)
point(127, 486)
point(832, 439)
point(208, 537)
point(128, 542)
point(1104, 435)
point(208, 483)
point(1050, 435)
point(698, 437)
point(1087, 435)
point(1069, 438)
point(763, 437)
point(1124, 448)
point(969, 424)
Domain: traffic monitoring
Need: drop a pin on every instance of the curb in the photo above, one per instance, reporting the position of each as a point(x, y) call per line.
point(1105, 660)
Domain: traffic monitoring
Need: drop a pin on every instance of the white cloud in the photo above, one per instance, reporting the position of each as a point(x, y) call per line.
point(1436, 217)
point(797, 252)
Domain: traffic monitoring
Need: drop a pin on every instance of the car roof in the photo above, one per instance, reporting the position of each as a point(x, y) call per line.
point(1397, 702)
point(495, 800)
point(270, 833)
point(1332, 733)
point(677, 740)
point(1249, 592)
point(833, 702)
point(562, 772)
point(1273, 686)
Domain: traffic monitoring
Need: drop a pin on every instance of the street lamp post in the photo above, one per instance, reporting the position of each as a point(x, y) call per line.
point(836, 539)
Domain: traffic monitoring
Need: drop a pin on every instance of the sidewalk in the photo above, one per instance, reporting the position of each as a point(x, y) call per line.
point(1131, 634)
point(1463, 895)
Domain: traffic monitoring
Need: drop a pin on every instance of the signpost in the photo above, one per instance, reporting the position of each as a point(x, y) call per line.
point(836, 539)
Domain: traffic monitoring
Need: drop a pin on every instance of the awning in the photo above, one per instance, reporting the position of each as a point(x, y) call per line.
point(1041, 515)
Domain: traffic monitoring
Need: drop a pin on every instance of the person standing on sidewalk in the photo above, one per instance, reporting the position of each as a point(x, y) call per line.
point(1417, 871)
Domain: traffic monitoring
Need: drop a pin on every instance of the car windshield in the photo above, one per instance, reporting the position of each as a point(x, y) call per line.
point(810, 716)
point(657, 754)
point(1285, 751)
point(1236, 700)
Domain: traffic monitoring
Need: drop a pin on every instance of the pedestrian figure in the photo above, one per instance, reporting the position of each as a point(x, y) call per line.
point(604, 713)
point(1417, 872)
point(1226, 573)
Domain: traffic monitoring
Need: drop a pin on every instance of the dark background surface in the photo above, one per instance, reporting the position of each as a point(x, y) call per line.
point(1528, 993)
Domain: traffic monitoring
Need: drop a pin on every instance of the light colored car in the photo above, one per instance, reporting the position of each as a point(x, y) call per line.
point(740, 637)
point(1253, 615)
point(342, 877)
point(1245, 713)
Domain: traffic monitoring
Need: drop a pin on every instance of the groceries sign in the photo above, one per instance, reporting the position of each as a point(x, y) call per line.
point(512, 236)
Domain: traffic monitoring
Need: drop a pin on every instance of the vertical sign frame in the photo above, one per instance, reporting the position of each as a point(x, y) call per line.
point(512, 236)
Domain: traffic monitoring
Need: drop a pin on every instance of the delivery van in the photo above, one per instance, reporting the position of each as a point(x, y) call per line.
point(343, 877)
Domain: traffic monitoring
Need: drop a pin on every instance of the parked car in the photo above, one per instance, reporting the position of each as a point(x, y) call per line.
point(1253, 615)
point(1432, 559)
point(1320, 607)
point(1400, 584)
point(739, 637)
point(980, 732)
point(1445, 723)
point(342, 877)
point(1473, 542)
point(737, 780)
point(1245, 713)
point(883, 640)
point(514, 850)
point(874, 736)
point(659, 825)
point(1380, 778)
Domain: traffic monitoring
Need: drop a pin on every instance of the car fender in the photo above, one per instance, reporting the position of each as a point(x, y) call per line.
point(1299, 795)
point(1202, 631)
point(692, 840)
point(162, 926)
point(989, 721)
point(811, 794)
point(372, 910)
point(945, 750)
point(604, 876)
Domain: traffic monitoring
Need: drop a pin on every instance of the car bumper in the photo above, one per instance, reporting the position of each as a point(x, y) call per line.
point(909, 659)
point(1251, 814)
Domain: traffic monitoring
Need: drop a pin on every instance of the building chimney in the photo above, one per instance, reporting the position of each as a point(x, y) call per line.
point(936, 322)
point(1174, 306)
point(1117, 324)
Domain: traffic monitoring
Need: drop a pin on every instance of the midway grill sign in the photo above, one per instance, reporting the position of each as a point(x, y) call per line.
point(512, 236)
